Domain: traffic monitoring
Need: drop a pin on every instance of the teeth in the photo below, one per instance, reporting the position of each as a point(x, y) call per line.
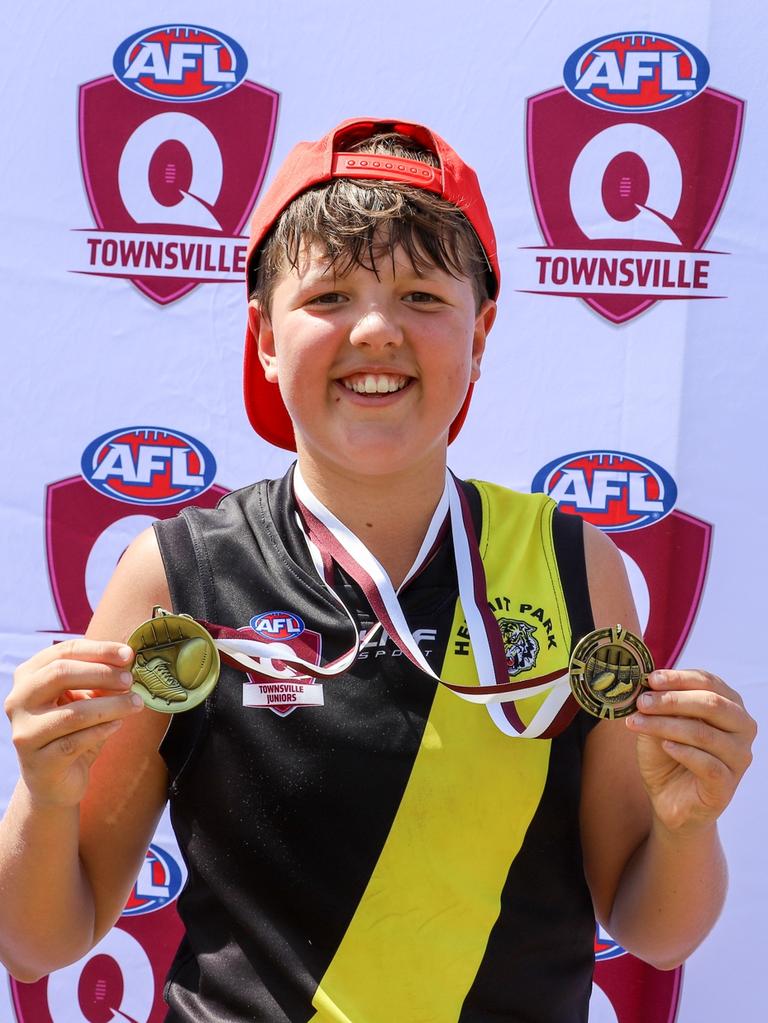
point(379, 383)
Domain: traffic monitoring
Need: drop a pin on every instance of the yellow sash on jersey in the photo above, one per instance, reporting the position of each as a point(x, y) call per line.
point(418, 936)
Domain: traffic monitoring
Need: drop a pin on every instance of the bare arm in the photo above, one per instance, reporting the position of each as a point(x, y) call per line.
point(92, 784)
point(651, 851)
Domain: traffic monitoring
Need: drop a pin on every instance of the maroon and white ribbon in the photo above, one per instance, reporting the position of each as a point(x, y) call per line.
point(328, 537)
point(329, 540)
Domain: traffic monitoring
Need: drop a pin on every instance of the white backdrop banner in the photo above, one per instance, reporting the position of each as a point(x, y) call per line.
point(622, 154)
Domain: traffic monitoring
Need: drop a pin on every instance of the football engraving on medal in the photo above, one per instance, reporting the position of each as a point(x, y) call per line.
point(177, 663)
point(609, 670)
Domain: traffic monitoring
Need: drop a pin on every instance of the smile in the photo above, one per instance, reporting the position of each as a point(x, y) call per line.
point(375, 383)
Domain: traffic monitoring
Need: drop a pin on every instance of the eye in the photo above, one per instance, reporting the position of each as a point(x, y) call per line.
point(420, 297)
point(328, 298)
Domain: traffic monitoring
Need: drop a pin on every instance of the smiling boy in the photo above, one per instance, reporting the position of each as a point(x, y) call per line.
point(391, 852)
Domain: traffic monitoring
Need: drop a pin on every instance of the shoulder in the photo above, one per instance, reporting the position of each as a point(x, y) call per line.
point(137, 584)
point(508, 497)
point(609, 590)
point(508, 514)
point(243, 502)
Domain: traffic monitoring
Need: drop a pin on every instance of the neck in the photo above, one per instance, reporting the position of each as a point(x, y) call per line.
point(390, 513)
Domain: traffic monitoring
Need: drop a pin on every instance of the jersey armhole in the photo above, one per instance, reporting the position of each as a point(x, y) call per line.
point(568, 540)
point(177, 547)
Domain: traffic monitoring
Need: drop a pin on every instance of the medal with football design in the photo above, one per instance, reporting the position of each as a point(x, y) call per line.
point(177, 663)
point(609, 670)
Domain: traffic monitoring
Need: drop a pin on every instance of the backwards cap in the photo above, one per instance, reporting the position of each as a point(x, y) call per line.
point(314, 163)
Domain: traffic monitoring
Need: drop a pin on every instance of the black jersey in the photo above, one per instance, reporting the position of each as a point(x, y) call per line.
point(390, 856)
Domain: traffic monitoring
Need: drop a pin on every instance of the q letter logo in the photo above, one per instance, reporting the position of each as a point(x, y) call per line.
point(170, 173)
point(630, 192)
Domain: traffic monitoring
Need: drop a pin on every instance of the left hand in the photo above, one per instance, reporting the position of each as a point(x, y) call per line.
point(694, 740)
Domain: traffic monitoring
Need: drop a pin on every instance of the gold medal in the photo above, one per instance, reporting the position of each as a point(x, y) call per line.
point(609, 669)
point(177, 663)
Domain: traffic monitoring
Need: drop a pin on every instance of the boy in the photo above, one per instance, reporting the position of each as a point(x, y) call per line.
point(391, 852)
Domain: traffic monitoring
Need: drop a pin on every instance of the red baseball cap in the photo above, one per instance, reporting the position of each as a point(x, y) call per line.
point(313, 163)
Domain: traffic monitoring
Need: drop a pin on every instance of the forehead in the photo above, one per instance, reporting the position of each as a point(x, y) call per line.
point(381, 259)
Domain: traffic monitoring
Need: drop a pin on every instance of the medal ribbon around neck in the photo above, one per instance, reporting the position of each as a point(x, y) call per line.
point(329, 541)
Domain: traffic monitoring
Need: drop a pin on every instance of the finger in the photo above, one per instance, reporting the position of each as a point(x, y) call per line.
point(691, 679)
point(714, 708)
point(54, 679)
point(88, 740)
point(712, 772)
point(730, 750)
point(105, 652)
point(37, 731)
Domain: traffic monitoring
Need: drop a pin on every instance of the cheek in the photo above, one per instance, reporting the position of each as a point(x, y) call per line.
point(302, 372)
point(457, 368)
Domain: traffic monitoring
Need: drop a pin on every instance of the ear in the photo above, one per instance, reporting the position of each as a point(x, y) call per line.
point(261, 328)
point(483, 323)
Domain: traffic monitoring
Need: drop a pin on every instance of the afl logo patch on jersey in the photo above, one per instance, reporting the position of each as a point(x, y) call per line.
point(278, 626)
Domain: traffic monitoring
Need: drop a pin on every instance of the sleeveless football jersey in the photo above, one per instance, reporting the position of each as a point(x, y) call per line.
point(389, 856)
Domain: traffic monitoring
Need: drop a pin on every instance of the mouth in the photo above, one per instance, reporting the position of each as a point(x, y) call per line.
point(375, 383)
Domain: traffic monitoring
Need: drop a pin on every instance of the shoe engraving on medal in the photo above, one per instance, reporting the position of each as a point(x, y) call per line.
point(177, 663)
point(609, 669)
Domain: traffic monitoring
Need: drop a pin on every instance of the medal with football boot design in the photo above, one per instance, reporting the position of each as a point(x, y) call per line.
point(609, 670)
point(177, 663)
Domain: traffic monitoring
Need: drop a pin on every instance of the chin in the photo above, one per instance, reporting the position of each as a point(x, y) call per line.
point(376, 453)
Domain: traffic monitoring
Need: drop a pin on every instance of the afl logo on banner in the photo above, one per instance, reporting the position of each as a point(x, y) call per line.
point(174, 147)
point(612, 490)
point(158, 883)
point(636, 72)
point(183, 63)
point(629, 165)
point(130, 477)
point(145, 465)
point(605, 947)
point(279, 626)
point(666, 550)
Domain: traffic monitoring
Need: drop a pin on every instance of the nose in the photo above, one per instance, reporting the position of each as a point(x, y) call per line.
point(376, 329)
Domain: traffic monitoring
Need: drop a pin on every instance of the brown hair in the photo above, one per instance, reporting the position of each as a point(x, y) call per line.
point(359, 222)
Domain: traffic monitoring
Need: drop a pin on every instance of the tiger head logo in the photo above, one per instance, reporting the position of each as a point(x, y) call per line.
point(520, 645)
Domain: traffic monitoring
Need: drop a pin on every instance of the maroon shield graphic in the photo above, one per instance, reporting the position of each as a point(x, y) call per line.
point(639, 993)
point(703, 136)
point(129, 144)
point(673, 555)
point(121, 979)
point(75, 516)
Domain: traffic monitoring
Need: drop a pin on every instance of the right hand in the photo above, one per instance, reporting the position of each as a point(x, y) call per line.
point(65, 703)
